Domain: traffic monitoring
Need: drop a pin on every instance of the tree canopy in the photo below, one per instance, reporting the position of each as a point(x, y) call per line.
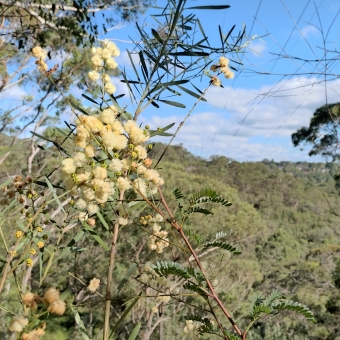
point(322, 133)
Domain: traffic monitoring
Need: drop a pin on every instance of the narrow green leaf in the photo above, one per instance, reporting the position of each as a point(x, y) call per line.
point(102, 219)
point(70, 245)
point(133, 64)
point(171, 83)
point(153, 103)
point(95, 236)
point(54, 193)
point(192, 93)
point(119, 96)
point(160, 133)
point(202, 30)
point(190, 54)
point(126, 277)
point(46, 149)
point(214, 7)
point(75, 106)
point(169, 102)
point(156, 35)
point(228, 35)
point(40, 136)
point(168, 127)
point(197, 89)
point(41, 262)
point(164, 134)
point(89, 98)
point(43, 184)
point(185, 27)
point(221, 37)
point(129, 87)
point(144, 67)
point(176, 16)
point(126, 312)
point(135, 332)
point(65, 293)
point(131, 82)
point(173, 91)
point(80, 324)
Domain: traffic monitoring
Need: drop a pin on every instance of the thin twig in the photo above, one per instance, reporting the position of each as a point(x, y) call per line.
point(108, 294)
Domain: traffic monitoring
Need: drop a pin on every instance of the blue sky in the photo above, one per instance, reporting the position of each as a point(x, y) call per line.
point(253, 116)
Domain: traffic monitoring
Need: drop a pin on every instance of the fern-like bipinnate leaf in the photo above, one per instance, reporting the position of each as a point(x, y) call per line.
point(221, 234)
point(202, 193)
point(198, 238)
point(295, 306)
point(200, 210)
point(260, 309)
point(164, 268)
point(223, 245)
point(274, 296)
point(178, 195)
point(231, 336)
point(196, 274)
point(208, 196)
point(195, 288)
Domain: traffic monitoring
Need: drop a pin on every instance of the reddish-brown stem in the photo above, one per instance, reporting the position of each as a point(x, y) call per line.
point(211, 288)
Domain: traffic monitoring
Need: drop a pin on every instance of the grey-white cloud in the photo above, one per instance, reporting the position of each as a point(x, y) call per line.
point(251, 124)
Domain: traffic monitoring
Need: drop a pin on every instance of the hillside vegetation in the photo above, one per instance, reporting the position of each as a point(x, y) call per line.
point(284, 218)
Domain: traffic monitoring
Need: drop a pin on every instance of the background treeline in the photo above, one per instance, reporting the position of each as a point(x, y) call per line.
point(284, 218)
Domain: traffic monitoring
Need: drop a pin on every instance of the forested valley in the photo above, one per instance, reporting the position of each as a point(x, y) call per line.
point(284, 218)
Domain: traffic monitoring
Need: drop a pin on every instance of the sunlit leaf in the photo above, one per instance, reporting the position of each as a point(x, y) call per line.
point(192, 93)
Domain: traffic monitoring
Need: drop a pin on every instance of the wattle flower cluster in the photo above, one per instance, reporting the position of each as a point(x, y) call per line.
point(103, 63)
point(110, 156)
point(159, 238)
point(40, 55)
point(51, 300)
point(192, 326)
point(223, 67)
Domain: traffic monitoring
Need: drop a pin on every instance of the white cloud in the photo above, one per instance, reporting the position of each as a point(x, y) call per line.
point(257, 48)
point(290, 104)
point(309, 31)
point(14, 93)
point(124, 61)
point(267, 122)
